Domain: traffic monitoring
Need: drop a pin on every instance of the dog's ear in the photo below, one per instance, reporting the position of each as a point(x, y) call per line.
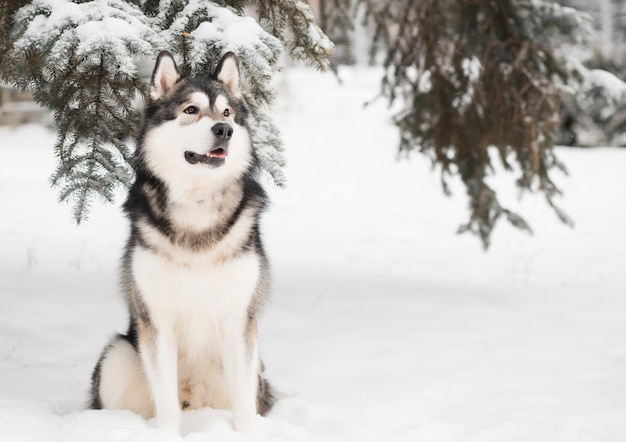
point(164, 76)
point(227, 72)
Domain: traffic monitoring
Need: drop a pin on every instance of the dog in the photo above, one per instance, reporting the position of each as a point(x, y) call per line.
point(194, 273)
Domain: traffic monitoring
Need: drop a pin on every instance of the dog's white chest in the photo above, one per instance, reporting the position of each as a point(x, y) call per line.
point(195, 294)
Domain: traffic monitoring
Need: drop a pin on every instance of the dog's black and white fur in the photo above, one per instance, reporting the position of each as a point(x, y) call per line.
point(194, 273)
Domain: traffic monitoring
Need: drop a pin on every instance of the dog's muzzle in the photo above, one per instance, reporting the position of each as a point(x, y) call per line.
point(223, 132)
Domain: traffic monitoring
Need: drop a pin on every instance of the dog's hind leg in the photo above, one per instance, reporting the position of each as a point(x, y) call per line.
point(119, 382)
point(266, 397)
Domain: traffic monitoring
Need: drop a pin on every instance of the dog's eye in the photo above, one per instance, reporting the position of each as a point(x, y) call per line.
point(191, 110)
point(226, 112)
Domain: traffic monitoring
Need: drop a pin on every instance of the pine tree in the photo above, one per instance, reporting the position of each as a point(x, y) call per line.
point(479, 81)
point(80, 59)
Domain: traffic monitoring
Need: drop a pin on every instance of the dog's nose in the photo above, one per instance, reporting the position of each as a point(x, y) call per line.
point(223, 131)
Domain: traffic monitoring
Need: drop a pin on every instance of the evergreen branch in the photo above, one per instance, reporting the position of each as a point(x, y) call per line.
point(80, 60)
point(74, 64)
point(293, 23)
point(7, 10)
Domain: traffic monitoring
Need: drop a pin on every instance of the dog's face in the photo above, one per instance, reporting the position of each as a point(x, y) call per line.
point(195, 133)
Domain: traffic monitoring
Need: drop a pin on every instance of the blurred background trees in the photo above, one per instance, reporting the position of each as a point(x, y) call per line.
point(493, 80)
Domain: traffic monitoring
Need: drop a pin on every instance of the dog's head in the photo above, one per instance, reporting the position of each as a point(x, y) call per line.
point(194, 129)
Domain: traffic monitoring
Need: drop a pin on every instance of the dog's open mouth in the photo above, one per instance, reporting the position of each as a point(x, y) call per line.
point(214, 157)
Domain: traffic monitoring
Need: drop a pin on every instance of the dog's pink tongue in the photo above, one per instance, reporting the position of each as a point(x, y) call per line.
point(218, 153)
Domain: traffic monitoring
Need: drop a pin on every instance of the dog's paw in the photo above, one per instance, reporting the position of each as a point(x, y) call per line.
point(171, 423)
point(248, 425)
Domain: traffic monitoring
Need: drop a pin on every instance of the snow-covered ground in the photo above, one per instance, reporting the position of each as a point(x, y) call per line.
point(384, 324)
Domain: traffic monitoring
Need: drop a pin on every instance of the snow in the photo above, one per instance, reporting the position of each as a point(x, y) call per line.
point(611, 85)
point(383, 326)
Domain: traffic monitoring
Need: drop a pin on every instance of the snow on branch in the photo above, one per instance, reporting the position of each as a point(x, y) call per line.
point(80, 59)
point(61, 30)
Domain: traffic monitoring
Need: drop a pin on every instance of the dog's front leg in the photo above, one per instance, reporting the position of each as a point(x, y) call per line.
point(160, 360)
point(241, 367)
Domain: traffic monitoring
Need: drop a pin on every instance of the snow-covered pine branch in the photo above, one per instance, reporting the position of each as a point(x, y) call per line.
point(292, 22)
point(81, 59)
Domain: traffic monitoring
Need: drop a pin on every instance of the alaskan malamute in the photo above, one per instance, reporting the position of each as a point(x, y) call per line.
point(194, 273)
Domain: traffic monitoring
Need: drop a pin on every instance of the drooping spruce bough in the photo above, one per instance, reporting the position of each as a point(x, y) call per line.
point(81, 59)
